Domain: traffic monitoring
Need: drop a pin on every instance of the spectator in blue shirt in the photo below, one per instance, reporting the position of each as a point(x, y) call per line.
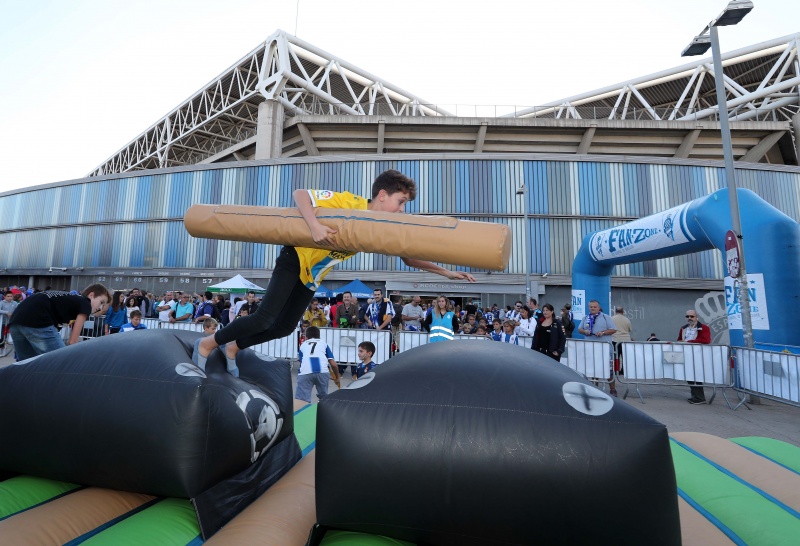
point(117, 314)
point(366, 350)
point(135, 323)
point(184, 311)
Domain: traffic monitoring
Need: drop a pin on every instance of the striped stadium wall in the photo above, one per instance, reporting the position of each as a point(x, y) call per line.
point(135, 221)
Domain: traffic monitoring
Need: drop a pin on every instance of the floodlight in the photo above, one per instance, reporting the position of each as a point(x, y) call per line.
point(733, 13)
point(698, 46)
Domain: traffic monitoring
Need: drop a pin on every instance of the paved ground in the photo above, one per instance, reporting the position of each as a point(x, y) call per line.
point(669, 405)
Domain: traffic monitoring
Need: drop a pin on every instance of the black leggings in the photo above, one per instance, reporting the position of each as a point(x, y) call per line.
point(280, 308)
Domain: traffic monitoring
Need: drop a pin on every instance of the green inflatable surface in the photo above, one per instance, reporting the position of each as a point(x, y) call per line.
point(782, 453)
point(347, 538)
point(24, 492)
point(166, 522)
point(743, 512)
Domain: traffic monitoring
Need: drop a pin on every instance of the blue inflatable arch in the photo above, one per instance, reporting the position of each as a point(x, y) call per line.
point(772, 242)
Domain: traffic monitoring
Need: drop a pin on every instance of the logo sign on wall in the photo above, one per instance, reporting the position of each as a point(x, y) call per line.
point(758, 302)
point(665, 229)
point(578, 304)
point(732, 254)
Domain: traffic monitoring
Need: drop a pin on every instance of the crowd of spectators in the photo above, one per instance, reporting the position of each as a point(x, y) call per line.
point(547, 329)
point(344, 311)
point(173, 306)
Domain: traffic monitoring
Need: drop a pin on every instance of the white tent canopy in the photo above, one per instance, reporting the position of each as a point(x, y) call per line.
point(236, 284)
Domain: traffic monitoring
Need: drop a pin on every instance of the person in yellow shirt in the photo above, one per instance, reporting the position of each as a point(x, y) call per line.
point(299, 271)
point(315, 315)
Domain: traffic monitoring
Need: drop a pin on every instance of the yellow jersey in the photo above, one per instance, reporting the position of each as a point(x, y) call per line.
point(315, 263)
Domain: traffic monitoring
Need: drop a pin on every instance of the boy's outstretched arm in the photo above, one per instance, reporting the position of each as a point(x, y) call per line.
point(433, 268)
point(320, 233)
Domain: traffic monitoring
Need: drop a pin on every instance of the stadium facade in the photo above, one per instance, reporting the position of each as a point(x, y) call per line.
point(289, 115)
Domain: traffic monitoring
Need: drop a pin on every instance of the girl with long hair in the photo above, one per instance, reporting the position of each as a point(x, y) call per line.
point(130, 306)
point(116, 315)
point(441, 321)
point(527, 324)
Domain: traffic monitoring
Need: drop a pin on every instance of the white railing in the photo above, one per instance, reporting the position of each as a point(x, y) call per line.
point(5, 338)
point(592, 359)
point(344, 343)
point(771, 374)
point(285, 347)
point(665, 363)
point(774, 375)
point(410, 340)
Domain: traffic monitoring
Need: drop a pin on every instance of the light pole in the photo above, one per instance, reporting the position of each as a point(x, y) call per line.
point(733, 13)
point(523, 191)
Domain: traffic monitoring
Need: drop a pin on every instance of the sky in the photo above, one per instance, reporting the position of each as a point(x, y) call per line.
point(81, 79)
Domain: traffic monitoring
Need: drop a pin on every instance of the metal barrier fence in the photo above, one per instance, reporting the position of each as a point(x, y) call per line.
point(344, 343)
point(5, 338)
point(186, 326)
point(592, 359)
point(773, 375)
point(93, 327)
point(770, 374)
point(409, 340)
point(285, 347)
point(674, 364)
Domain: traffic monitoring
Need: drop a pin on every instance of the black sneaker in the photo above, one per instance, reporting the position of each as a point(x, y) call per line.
point(695, 400)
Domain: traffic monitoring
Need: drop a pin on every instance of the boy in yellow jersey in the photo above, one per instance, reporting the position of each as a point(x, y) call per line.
point(299, 271)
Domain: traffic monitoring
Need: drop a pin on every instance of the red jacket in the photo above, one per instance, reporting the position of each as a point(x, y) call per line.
point(703, 334)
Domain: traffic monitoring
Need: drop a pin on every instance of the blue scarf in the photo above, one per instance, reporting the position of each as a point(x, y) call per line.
point(591, 322)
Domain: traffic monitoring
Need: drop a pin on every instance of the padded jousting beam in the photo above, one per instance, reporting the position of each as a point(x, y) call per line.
point(442, 239)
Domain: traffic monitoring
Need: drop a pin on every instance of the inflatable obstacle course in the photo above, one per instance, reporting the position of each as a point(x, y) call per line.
point(41, 511)
point(99, 415)
point(433, 238)
point(780, 453)
point(727, 492)
point(449, 451)
point(748, 498)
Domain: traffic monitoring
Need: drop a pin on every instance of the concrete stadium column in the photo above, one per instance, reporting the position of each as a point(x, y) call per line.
point(796, 126)
point(269, 135)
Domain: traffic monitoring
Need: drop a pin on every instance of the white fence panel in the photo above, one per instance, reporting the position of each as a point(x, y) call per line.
point(769, 373)
point(344, 343)
point(189, 326)
point(285, 347)
point(5, 337)
point(151, 323)
point(590, 358)
point(678, 361)
point(409, 340)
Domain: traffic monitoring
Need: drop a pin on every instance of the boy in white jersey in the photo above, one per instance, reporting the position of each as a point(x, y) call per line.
point(316, 359)
point(299, 271)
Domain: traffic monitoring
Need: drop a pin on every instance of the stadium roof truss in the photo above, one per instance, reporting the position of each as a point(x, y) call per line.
point(762, 83)
point(304, 79)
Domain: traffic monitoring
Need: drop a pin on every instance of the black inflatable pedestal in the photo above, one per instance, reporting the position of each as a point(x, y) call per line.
point(479, 442)
point(131, 412)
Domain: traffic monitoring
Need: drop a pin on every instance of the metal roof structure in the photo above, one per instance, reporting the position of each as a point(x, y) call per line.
point(762, 83)
point(219, 122)
point(302, 77)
